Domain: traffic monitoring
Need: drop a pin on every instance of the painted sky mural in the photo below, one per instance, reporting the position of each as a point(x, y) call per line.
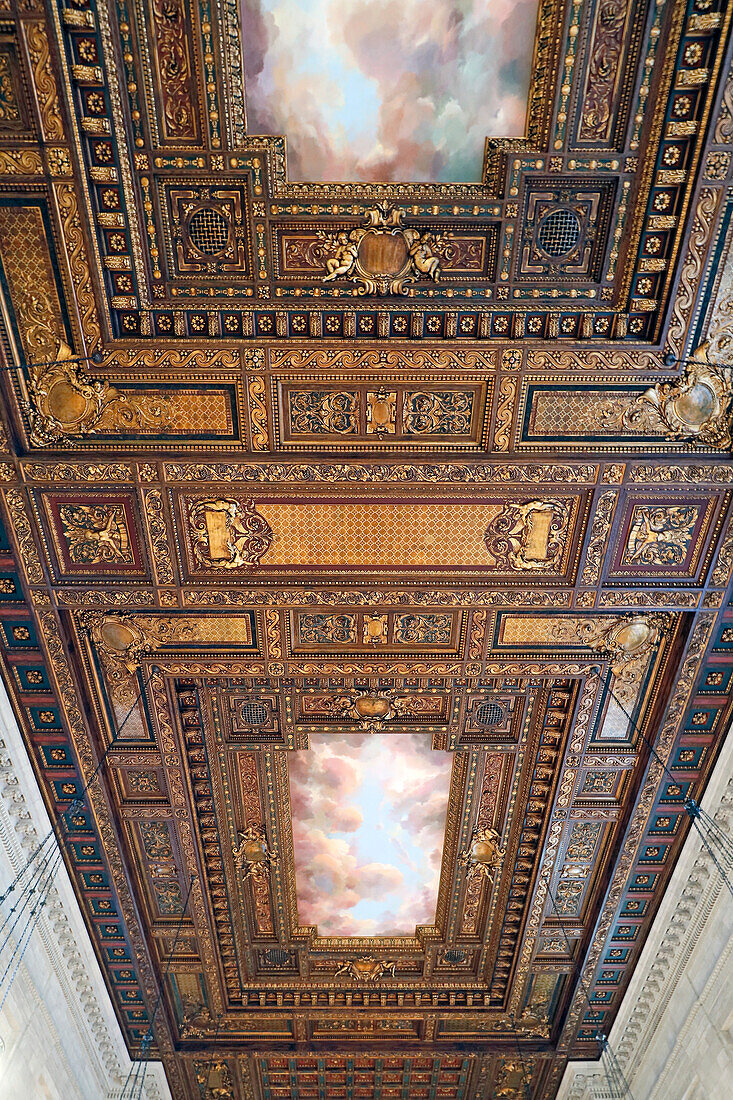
point(369, 815)
point(382, 90)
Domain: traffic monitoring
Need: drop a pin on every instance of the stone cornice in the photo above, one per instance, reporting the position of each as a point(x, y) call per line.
point(683, 921)
point(59, 943)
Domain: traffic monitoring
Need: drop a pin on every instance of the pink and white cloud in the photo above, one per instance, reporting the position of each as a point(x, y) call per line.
point(382, 90)
point(368, 823)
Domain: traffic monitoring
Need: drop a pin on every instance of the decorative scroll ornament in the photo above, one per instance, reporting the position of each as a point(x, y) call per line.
point(253, 856)
point(372, 709)
point(122, 641)
point(528, 535)
point(367, 969)
point(121, 638)
point(65, 403)
point(483, 857)
point(628, 641)
point(382, 257)
point(228, 534)
point(695, 408)
point(196, 1021)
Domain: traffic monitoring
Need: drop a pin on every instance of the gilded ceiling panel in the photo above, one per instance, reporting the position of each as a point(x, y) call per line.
point(373, 531)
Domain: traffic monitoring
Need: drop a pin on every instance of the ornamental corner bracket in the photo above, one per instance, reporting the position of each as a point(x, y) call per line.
point(64, 404)
point(695, 409)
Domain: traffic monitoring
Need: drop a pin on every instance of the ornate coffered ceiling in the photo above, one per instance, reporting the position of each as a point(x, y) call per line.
point(427, 473)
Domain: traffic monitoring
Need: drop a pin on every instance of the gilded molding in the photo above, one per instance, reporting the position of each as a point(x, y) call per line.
point(243, 597)
point(431, 473)
point(603, 72)
point(634, 830)
point(44, 81)
point(700, 234)
point(88, 764)
point(258, 413)
point(714, 473)
point(21, 162)
point(608, 359)
point(599, 532)
point(159, 540)
point(78, 263)
point(723, 133)
point(723, 569)
point(505, 413)
point(77, 471)
point(631, 598)
point(15, 503)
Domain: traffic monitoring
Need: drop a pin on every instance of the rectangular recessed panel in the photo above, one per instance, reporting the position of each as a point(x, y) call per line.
point(378, 534)
point(369, 815)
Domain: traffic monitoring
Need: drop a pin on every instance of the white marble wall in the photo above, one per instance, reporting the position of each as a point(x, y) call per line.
point(58, 1032)
point(674, 1034)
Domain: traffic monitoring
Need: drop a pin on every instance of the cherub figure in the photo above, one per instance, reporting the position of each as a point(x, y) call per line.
point(343, 261)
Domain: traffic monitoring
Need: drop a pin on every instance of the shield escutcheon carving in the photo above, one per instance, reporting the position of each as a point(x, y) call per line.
point(228, 534)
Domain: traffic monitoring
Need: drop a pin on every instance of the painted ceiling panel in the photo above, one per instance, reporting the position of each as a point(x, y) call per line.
point(369, 816)
point(372, 488)
point(388, 89)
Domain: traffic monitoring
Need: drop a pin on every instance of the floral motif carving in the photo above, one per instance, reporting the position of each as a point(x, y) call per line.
point(603, 71)
point(528, 535)
point(21, 526)
point(9, 107)
point(228, 534)
point(44, 80)
point(20, 162)
point(258, 414)
point(319, 413)
point(170, 20)
point(78, 264)
point(724, 123)
point(438, 413)
point(382, 257)
point(423, 629)
point(155, 517)
point(600, 529)
point(452, 473)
